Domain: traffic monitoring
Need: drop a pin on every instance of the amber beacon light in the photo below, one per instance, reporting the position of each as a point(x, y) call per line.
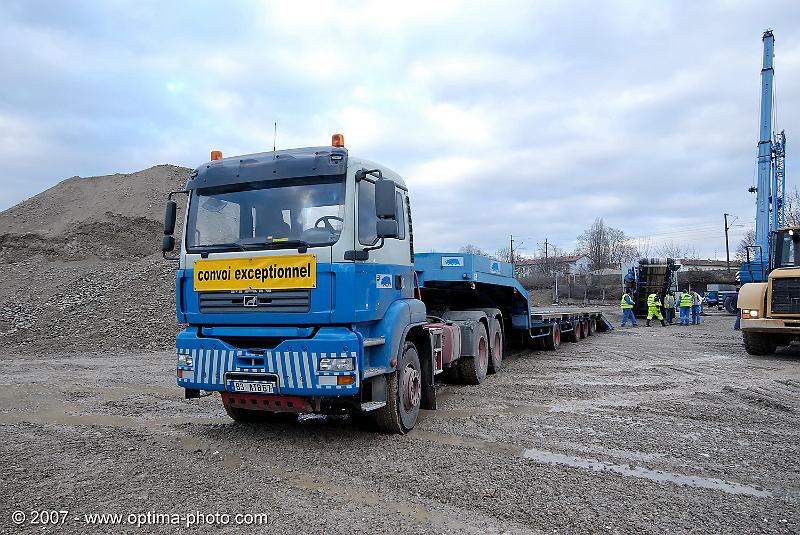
point(216, 154)
point(337, 140)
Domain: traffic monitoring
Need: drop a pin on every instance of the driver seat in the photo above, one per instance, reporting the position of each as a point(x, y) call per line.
point(270, 223)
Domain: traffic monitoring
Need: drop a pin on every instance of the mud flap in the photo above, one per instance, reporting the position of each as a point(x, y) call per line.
point(428, 400)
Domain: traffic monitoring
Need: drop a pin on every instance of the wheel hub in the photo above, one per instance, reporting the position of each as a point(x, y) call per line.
point(412, 388)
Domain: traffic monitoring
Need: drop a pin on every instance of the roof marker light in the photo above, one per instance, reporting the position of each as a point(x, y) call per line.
point(337, 140)
point(216, 154)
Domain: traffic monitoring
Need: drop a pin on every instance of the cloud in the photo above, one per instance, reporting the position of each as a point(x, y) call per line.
point(510, 118)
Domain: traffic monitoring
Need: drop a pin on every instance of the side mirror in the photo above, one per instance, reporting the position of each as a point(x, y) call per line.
point(387, 228)
point(169, 217)
point(385, 204)
point(167, 244)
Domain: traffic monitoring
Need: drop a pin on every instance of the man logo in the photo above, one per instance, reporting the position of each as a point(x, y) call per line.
point(250, 301)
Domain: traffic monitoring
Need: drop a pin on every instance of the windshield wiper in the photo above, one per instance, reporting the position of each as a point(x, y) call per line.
point(302, 246)
point(220, 246)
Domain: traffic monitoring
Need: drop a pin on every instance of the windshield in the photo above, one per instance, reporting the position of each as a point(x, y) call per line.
point(787, 249)
point(269, 214)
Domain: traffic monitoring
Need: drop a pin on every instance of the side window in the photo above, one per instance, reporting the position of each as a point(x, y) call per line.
point(401, 216)
point(367, 220)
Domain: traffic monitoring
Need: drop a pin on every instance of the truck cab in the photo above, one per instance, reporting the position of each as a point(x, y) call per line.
point(770, 311)
point(300, 292)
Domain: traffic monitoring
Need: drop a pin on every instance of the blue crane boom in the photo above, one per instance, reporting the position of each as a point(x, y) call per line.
point(764, 187)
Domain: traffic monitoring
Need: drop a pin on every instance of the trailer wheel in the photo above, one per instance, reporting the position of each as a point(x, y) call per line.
point(758, 343)
point(403, 395)
point(473, 369)
point(591, 326)
point(584, 328)
point(553, 341)
point(574, 334)
point(496, 360)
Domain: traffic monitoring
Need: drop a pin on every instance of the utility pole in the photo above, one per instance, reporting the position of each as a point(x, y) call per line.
point(545, 268)
point(513, 264)
point(727, 248)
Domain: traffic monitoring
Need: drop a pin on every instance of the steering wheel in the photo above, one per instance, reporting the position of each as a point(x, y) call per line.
point(326, 221)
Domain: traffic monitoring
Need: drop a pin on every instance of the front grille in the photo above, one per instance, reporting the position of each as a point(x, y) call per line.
point(243, 302)
point(786, 296)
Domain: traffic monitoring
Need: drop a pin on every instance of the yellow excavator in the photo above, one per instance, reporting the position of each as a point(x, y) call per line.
point(770, 311)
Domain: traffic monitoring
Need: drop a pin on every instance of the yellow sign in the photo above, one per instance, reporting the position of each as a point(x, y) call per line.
point(259, 273)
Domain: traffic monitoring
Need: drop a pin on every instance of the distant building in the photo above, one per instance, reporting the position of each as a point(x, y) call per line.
point(562, 265)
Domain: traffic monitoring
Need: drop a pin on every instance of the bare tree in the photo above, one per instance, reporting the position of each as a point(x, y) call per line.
point(551, 261)
point(791, 207)
point(671, 249)
point(472, 249)
point(748, 240)
point(605, 246)
point(504, 255)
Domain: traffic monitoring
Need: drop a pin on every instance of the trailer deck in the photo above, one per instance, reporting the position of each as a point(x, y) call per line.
point(452, 274)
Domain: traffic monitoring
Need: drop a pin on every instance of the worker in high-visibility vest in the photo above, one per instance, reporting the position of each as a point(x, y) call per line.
point(654, 308)
point(669, 307)
point(626, 304)
point(685, 304)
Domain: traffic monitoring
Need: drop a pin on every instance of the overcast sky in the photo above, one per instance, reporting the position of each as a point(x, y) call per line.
point(530, 118)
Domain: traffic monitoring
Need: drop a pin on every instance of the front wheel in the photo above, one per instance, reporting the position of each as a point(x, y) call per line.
point(403, 395)
point(758, 343)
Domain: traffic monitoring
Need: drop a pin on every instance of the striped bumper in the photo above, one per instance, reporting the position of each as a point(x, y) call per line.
point(295, 364)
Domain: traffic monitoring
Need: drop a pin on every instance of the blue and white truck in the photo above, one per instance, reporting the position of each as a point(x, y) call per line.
point(301, 292)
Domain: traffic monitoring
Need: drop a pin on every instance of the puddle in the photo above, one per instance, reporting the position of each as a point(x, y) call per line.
point(500, 410)
point(547, 457)
point(595, 465)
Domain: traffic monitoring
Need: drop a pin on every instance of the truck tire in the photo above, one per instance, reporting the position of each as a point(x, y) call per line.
point(573, 335)
point(591, 327)
point(474, 369)
point(403, 395)
point(496, 347)
point(553, 340)
point(758, 343)
point(584, 328)
point(730, 304)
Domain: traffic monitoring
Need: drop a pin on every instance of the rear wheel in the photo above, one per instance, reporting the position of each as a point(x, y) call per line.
point(758, 343)
point(496, 361)
point(403, 395)
point(473, 369)
point(584, 328)
point(553, 340)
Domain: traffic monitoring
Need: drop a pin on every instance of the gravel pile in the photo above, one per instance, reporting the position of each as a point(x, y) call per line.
point(81, 265)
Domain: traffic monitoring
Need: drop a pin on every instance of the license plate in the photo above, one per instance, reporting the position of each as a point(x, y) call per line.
point(254, 388)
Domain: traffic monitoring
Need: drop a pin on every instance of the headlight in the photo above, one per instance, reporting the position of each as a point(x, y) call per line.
point(336, 365)
point(754, 313)
point(185, 360)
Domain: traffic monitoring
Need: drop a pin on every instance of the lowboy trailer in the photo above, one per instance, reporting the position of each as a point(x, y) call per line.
point(301, 292)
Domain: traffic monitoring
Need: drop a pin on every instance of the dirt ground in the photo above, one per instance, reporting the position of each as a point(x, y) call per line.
point(645, 429)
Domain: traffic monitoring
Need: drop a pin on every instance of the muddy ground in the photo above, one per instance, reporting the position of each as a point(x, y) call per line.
point(659, 429)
